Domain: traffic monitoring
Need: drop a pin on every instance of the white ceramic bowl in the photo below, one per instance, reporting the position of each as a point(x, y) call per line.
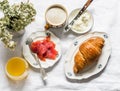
point(83, 28)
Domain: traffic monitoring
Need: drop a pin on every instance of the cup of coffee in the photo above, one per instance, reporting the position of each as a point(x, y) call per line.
point(55, 16)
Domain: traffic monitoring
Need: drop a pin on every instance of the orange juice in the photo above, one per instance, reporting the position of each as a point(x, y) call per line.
point(16, 68)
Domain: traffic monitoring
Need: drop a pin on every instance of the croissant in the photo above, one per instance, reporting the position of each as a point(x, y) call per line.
point(88, 53)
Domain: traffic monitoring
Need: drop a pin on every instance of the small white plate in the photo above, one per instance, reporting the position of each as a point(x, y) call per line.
point(39, 36)
point(88, 27)
point(69, 58)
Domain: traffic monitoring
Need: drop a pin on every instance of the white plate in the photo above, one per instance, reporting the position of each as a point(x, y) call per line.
point(69, 58)
point(39, 36)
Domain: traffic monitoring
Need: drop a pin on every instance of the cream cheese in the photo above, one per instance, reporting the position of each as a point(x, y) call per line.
point(83, 23)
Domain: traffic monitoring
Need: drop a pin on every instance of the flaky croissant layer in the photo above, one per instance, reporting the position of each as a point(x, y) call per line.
point(88, 53)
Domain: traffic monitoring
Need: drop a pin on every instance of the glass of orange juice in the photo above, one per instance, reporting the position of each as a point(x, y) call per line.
point(16, 68)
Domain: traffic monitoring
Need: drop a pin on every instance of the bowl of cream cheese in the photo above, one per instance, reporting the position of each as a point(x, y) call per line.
point(83, 24)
